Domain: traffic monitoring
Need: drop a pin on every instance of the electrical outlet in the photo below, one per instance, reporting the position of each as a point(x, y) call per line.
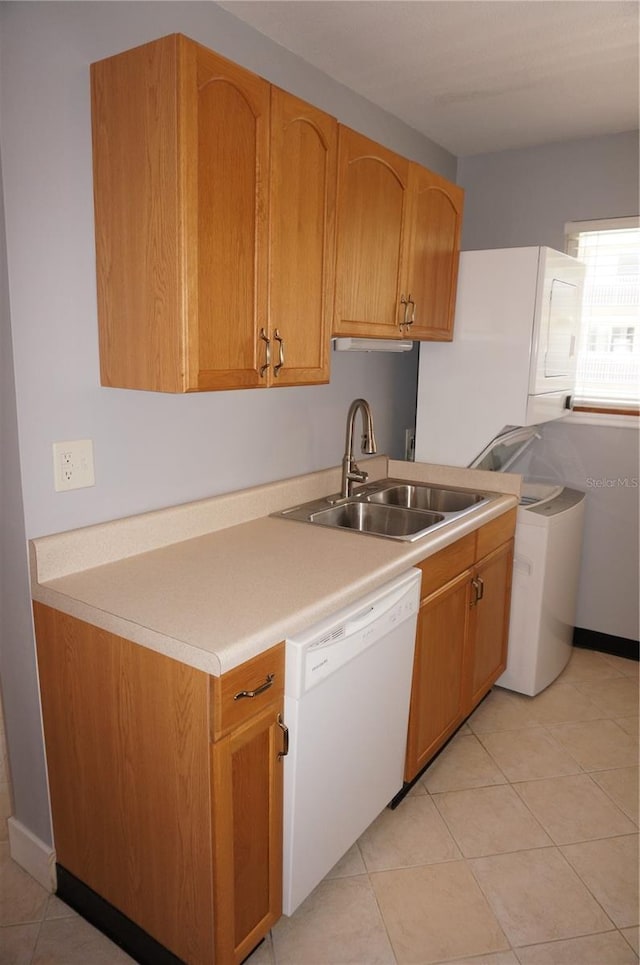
point(410, 445)
point(73, 465)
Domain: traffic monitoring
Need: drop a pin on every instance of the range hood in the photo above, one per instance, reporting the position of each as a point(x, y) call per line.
point(371, 345)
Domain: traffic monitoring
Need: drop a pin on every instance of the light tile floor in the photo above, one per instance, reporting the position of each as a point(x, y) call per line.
point(519, 846)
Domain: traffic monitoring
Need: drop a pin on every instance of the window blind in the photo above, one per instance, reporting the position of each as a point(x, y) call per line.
point(609, 347)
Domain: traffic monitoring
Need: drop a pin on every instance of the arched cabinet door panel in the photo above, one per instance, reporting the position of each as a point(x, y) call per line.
point(304, 151)
point(372, 211)
point(226, 161)
point(432, 259)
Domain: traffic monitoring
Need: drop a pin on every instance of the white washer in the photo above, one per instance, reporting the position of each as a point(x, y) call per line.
point(546, 572)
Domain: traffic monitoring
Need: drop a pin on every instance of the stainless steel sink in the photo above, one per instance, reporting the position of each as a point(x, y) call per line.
point(373, 518)
point(393, 508)
point(413, 496)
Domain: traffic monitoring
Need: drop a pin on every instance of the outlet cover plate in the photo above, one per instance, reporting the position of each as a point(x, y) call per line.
point(73, 465)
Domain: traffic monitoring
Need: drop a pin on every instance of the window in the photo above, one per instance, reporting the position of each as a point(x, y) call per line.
point(608, 373)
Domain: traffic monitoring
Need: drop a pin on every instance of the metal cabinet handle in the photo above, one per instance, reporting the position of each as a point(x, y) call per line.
point(279, 339)
point(412, 319)
point(404, 301)
point(478, 585)
point(267, 361)
point(259, 690)
point(285, 738)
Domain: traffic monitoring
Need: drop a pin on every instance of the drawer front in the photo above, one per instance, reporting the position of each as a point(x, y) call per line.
point(244, 691)
point(495, 533)
point(447, 564)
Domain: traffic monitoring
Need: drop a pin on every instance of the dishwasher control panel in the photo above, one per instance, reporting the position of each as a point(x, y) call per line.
point(320, 651)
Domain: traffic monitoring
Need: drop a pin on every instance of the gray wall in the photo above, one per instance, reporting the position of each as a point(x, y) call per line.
point(151, 450)
point(17, 665)
point(524, 198)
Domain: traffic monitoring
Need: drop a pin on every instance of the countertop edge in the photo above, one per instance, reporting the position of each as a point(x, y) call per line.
point(267, 632)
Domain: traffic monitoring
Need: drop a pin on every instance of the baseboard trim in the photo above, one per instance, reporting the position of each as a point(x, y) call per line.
point(32, 854)
point(606, 643)
point(111, 922)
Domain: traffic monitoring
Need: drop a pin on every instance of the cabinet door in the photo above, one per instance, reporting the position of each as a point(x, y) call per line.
point(247, 822)
point(304, 155)
point(433, 254)
point(491, 602)
point(371, 222)
point(438, 687)
point(127, 740)
point(225, 165)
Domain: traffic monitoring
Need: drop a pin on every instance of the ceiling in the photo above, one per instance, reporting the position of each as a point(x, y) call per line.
point(473, 75)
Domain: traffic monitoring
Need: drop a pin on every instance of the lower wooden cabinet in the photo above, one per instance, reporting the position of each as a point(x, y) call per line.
point(166, 787)
point(491, 586)
point(461, 637)
point(247, 833)
point(438, 698)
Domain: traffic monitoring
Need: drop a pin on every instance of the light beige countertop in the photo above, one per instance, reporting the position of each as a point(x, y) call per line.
point(216, 582)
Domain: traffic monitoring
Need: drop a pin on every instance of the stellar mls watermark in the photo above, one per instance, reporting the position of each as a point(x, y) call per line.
point(613, 482)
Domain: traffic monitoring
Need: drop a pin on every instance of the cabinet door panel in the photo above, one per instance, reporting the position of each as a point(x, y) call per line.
point(491, 620)
point(372, 210)
point(434, 253)
point(126, 732)
point(438, 688)
point(226, 175)
point(304, 146)
point(247, 817)
point(137, 218)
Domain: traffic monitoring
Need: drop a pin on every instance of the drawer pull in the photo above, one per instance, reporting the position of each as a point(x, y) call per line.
point(259, 690)
point(285, 738)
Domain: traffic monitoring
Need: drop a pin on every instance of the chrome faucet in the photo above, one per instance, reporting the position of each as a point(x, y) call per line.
point(350, 472)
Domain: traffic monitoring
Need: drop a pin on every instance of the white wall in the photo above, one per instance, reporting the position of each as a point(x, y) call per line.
point(151, 450)
point(524, 198)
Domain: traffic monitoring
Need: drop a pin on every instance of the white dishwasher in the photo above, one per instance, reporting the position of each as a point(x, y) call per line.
point(347, 692)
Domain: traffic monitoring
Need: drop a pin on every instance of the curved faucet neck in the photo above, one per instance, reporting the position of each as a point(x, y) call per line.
point(350, 471)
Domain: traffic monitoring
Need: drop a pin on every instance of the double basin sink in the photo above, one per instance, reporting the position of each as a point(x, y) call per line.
point(393, 508)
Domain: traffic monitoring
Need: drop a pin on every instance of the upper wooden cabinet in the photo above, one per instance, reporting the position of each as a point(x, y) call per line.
point(304, 151)
point(214, 197)
point(433, 255)
point(216, 214)
point(398, 241)
point(373, 191)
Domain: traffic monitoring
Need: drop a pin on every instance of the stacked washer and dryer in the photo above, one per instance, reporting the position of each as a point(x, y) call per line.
point(510, 368)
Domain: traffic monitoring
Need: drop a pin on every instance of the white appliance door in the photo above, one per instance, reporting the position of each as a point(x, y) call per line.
point(557, 324)
point(348, 736)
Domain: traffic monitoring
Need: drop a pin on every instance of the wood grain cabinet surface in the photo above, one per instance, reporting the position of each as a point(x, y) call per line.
point(214, 199)
point(215, 222)
point(180, 833)
point(433, 255)
point(398, 242)
point(462, 636)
